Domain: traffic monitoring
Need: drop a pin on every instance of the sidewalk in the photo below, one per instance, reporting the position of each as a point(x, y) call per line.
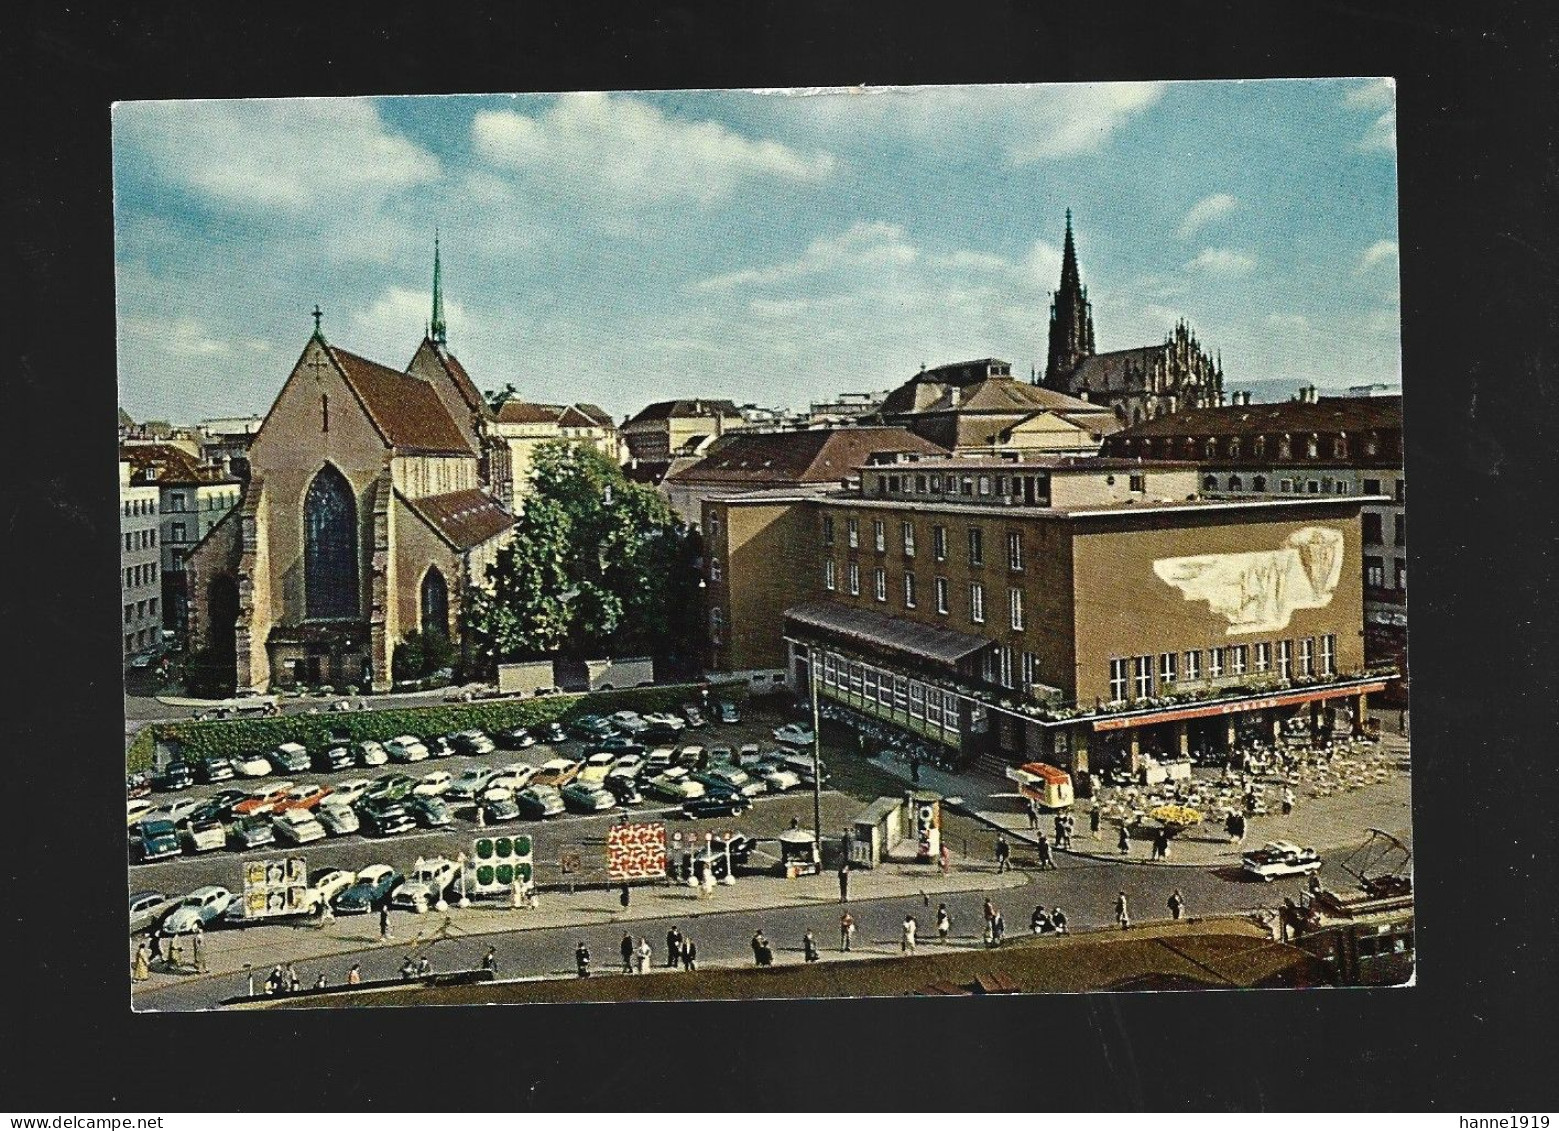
point(1337, 821)
point(227, 951)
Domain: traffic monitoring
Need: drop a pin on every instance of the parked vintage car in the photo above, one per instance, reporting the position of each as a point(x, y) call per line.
point(337, 818)
point(407, 748)
point(154, 839)
point(385, 817)
point(624, 788)
point(727, 712)
point(333, 758)
point(214, 768)
point(674, 784)
point(371, 753)
point(628, 722)
point(470, 783)
point(327, 883)
point(146, 907)
point(429, 811)
point(794, 734)
point(253, 765)
point(475, 742)
point(426, 885)
point(596, 767)
point(201, 906)
point(538, 802)
point(776, 776)
point(203, 834)
point(588, 797)
point(715, 805)
point(434, 784)
point(557, 772)
point(249, 833)
point(738, 779)
point(174, 776)
point(264, 800)
point(371, 887)
point(1280, 858)
point(499, 805)
point(289, 758)
point(297, 826)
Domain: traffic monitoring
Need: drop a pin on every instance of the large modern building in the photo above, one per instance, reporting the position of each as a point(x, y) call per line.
point(1137, 384)
point(1081, 611)
point(140, 589)
point(1308, 446)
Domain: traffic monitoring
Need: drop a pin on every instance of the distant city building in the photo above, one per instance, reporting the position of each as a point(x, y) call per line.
point(225, 442)
point(191, 499)
point(1308, 446)
point(679, 430)
point(140, 584)
point(1137, 384)
point(1081, 612)
point(518, 428)
point(978, 408)
point(758, 418)
point(846, 408)
point(751, 461)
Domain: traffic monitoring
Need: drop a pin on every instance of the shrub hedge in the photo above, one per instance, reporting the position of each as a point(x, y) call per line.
point(139, 754)
point(236, 736)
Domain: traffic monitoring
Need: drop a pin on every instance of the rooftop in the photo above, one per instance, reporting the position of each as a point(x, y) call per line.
point(1329, 414)
point(465, 518)
point(699, 406)
point(1047, 464)
point(405, 409)
point(816, 456)
point(907, 637)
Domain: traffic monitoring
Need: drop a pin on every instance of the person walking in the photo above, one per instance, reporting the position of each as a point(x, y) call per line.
point(689, 954)
point(846, 931)
point(762, 953)
point(197, 946)
point(626, 947)
point(673, 947)
point(1176, 904)
point(354, 976)
point(321, 982)
point(1058, 918)
point(1047, 858)
point(944, 923)
point(1288, 800)
point(141, 968)
point(1124, 843)
point(998, 928)
point(294, 983)
point(907, 943)
point(582, 959)
point(408, 969)
point(944, 860)
point(809, 947)
point(424, 967)
point(1003, 854)
point(1058, 826)
point(490, 961)
point(1094, 816)
point(625, 897)
point(276, 981)
point(384, 922)
point(1033, 812)
point(844, 881)
point(914, 771)
point(643, 953)
point(1122, 913)
point(157, 952)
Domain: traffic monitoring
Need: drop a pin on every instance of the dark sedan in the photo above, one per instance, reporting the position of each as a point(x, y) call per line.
point(429, 812)
point(373, 886)
point(174, 777)
point(250, 833)
point(715, 805)
point(385, 818)
point(333, 758)
point(215, 768)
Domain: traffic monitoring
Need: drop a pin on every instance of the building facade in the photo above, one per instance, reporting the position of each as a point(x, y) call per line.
point(1137, 384)
point(663, 430)
point(518, 428)
point(1308, 446)
point(1077, 611)
point(140, 585)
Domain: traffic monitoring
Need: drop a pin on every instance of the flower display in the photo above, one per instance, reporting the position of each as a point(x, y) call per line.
point(1176, 816)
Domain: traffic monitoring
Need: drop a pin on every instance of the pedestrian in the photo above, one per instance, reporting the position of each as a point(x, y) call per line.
point(1003, 854)
point(1058, 917)
point(990, 931)
point(321, 982)
point(1122, 913)
point(944, 923)
point(673, 947)
point(945, 860)
point(141, 969)
point(424, 967)
point(689, 954)
point(1068, 826)
point(197, 948)
point(1239, 828)
point(1288, 800)
point(844, 881)
point(1033, 812)
point(626, 947)
point(846, 931)
point(1176, 904)
point(914, 770)
point(1094, 816)
point(490, 961)
point(989, 911)
point(795, 823)
point(809, 947)
point(582, 959)
point(1059, 826)
point(1124, 843)
point(1047, 858)
point(758, 943)
point(1039, 922)
point(294, 983)
point(157, 952)
point(354, 976)
point(643, 953)
point(384, 921)
point(1159, 840)
point(998, 929)
point(625, 897)
point(907, 943)
point(275, 981)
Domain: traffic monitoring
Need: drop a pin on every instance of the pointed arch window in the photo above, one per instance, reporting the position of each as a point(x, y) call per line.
point(435, 603)
point(330, 573)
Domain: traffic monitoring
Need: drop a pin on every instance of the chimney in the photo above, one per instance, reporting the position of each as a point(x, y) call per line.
point(956, 395)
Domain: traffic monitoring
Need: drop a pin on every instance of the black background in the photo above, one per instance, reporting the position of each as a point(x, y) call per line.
point(1476, 130)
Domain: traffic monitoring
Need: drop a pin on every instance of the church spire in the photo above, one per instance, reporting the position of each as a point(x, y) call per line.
point(437, 330)
point(1071, 319)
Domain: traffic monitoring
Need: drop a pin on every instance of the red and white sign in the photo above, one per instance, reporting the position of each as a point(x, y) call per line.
point(1236, 706)
point(636, 851)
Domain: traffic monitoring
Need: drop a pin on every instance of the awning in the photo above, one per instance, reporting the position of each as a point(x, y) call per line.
point(875, 630)
point(1237, 706)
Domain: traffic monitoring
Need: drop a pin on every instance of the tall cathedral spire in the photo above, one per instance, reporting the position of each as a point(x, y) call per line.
point(1071, 318)
point(437, 330)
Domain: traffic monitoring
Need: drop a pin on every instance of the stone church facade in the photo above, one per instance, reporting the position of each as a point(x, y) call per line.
point(1142, 383)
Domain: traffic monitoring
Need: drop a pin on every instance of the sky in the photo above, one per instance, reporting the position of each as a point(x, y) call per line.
point(773, 247)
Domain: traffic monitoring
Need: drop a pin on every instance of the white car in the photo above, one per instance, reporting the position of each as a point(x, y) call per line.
point(794, 734)
point(337, 818)
point(665, 719)
point(435, 784)
point(471, 782)
point(426, 885)
point(407, 748)
point(597, 766)
point(673, 784)
point(515, 777)
point(349, 792)
point(204, 836)
point(326, 884)
point(628, 722)
point(297, 826)
point(136, 811)
point(252, 765)
point(174, 811)
point(1280, 858)
point(630, 766)
point(777, 777)
point(202, 906)
point(371, 753)
point(749, 755)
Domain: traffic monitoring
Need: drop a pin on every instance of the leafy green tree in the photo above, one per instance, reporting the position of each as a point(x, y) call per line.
point(596, 566)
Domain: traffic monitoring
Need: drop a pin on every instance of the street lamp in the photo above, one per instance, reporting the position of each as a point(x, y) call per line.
point(817, 760)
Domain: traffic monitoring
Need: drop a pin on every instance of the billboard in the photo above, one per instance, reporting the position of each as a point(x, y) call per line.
point(275, 886)
point(496, 862)
point(636, 851)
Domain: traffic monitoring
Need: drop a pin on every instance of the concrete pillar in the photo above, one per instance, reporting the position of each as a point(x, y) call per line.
point(1135, 739)
point(1080, 750)
point(1182, 739)
point(1229, 733)
point(1361, 711)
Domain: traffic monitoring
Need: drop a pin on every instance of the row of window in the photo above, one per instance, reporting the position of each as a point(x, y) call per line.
point(140, 610)
point(907, 539)
point(1326, 485)
point(137, 641)
point(136, 576)
point(941, 592)
point(921, 701)
point(1000, 667)
point(133, 507)
point(1312, 446)
point(1375, 574)
point(1374, 529)
point(139, 540)
point(971, 485)
point(1138, 677)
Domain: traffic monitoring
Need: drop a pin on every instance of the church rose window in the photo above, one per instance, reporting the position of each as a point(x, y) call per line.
point(330, 546)
point(435, 603)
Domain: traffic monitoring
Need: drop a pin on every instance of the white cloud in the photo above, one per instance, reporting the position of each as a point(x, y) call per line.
point(1374, 94)
point(1222, 261)
point(384, 330)
point(1288, 321)
point(865, 244)
point(1382, 134)
point(629, 151)
point(186, 337)
point(273, 154)
point(1204, 211)
point(1381, 251)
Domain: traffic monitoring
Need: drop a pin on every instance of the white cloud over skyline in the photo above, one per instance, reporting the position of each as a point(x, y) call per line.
point(1204, 212)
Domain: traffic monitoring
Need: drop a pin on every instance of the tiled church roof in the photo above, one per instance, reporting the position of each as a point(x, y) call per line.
point(465, 518)
point(405, 409)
